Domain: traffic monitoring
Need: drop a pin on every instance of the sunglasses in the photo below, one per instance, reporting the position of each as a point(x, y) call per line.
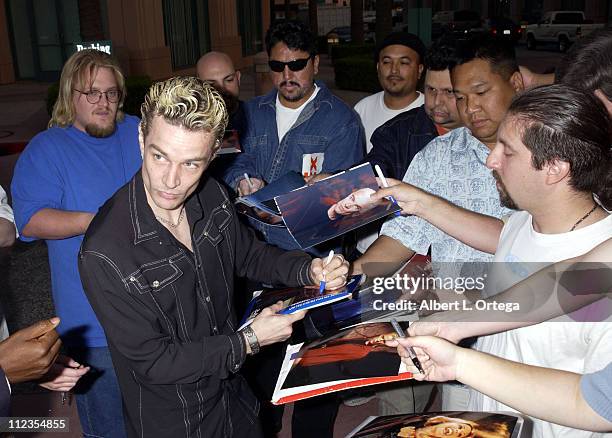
point(297, 65)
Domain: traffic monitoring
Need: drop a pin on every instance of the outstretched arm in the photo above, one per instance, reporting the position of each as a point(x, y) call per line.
point(474, 229)
point(548, 394)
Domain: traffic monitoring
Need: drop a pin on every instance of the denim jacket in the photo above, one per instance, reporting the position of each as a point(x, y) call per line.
point(396, 142)
point(326, 125)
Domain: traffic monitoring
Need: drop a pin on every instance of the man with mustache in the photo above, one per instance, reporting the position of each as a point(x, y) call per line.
point(299, 126)
point(453, 167)
point(61, 179)
point(399, 62)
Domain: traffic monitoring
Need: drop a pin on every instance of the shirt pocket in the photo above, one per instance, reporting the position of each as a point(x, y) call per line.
point(154, 276)
point(220, 218)
point(306, 145)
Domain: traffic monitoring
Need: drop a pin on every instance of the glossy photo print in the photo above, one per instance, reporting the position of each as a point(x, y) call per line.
point(442, 424)
point(333, 206)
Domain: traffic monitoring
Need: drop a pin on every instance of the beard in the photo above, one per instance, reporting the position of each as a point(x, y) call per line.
point(300, 91)
point(504, 198)
point(98, 131)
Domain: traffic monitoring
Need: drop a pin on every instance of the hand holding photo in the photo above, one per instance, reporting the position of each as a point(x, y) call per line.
point(333, 206)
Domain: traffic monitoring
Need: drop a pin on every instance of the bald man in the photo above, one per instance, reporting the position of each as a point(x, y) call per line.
point(218, 70)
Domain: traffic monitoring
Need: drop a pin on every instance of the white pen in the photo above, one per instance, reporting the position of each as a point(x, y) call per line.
point(322, 282)
point(385, 184)
point(246, 176)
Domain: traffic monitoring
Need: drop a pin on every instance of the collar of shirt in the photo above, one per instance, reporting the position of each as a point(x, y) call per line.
point(146, 226)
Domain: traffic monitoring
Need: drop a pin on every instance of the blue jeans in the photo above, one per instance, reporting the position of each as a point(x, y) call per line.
point(97, 394)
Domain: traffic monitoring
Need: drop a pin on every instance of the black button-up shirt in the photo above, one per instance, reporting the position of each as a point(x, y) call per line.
point(167, 312)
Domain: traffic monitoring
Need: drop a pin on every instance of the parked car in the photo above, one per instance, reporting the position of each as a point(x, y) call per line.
point(458, 23)
point(562, 28)
point(340, 34)
point(503, 27)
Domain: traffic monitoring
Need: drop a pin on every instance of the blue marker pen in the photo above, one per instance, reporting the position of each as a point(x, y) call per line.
point(383, 180)
point(322, 283)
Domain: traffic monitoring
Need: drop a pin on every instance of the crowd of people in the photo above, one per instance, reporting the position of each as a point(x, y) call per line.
point(487, 160)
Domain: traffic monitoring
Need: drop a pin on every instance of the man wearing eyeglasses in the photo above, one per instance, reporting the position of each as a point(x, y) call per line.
point(299, 126)
point(61, 179)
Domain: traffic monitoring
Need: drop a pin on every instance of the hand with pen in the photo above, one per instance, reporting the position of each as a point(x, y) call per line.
point(411, 199)
point(330, 273)
point(438, 357)
point(249, 185)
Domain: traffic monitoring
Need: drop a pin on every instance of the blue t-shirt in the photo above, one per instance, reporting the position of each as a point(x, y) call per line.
point(597, 391)
point(67, 169)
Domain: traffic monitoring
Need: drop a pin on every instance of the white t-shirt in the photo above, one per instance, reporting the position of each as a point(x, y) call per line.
point(373, 112)
point(6, 212)
point(286, 117)
point(561, 343)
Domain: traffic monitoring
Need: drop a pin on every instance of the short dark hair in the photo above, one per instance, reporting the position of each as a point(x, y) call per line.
point(295, 34)
point(560, 122)
point(406, 39)
point(442, 55)
point(496, 51)
point(588, 64)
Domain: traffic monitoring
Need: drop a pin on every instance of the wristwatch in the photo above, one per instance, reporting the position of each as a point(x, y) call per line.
point(251, 338)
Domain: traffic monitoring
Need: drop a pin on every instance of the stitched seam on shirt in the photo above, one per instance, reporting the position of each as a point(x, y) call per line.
point(181, 314)
point(200, 406)
point(111, 263)
point(139, 404)
point(227, 288)
point(168, 323)
point(138, 237)
point(185, 410)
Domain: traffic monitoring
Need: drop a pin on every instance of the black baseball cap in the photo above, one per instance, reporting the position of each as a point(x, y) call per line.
point(407, 39)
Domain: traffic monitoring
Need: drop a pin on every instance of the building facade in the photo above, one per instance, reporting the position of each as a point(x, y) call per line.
point(158, 38)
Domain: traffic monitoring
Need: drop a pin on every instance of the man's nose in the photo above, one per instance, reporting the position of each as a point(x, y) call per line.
point(172, 177)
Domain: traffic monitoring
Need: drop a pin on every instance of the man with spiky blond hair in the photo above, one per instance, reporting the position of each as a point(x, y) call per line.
point(61, 179)
point(158, 265)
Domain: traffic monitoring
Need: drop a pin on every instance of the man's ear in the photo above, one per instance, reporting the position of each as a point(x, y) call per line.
point(141, 140)
point(238, 77)
point(421, 68)
point(604, 99)
point(557, 171)
point(315, 64)
point(516, 80)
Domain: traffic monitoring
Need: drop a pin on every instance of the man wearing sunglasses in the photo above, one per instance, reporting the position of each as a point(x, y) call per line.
point(299, 126)
point(61, 179)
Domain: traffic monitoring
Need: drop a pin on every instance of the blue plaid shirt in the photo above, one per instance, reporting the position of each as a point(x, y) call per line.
point(452, 167)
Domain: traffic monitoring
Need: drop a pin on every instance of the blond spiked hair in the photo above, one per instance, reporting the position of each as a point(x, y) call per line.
point(80, 68)
point(188, 102)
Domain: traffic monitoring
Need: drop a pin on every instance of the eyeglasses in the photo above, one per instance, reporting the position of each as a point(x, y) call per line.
point(94, 96)
point(296, 65)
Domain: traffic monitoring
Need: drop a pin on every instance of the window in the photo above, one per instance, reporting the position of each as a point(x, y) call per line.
point(186, 31)
point(249, 23)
